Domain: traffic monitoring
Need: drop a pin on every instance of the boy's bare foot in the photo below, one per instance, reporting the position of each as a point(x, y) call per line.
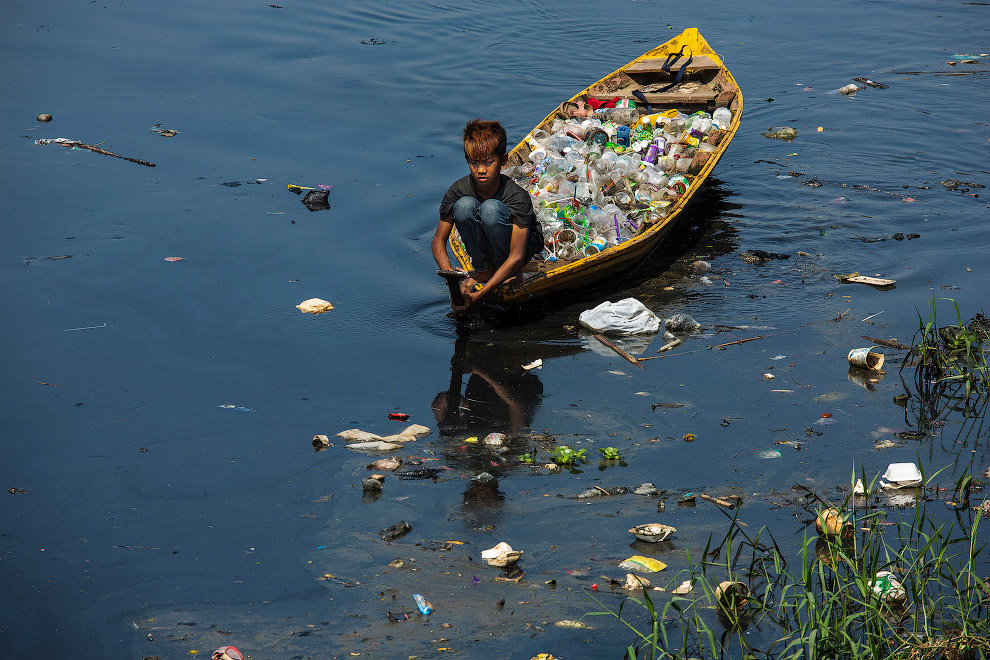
point(513, 284)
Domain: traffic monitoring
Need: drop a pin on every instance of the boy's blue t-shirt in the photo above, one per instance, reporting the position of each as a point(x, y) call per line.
point(509, 193)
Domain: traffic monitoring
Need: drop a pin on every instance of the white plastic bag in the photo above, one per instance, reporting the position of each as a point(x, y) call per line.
point(626, 317)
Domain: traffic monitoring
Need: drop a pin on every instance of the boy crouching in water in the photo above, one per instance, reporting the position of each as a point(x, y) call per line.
point(493, 215)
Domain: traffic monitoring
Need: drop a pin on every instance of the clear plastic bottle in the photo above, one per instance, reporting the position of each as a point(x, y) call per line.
point(606, 162)
point(655, 177)
point(558, 143)
point(702, 124)
point(547, 217)
point(574, 160)
point(624, 116)
point(638, 176)
point(424, 605)
point(553, 164)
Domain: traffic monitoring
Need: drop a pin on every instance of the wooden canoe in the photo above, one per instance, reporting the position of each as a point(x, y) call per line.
point(706, 85)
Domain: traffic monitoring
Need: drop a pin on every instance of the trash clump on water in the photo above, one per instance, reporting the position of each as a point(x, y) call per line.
point(398, 530)
point(358, 439)
point(314, 306)
point(597, 179)
point(645, 489)
point(785, 133)
point(373, 484)
point(502, 555)
point(962, 186)
point(681, 323)
point(391, 463)
point(317, 200)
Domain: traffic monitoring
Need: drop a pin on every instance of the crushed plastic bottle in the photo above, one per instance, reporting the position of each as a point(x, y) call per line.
point(425, 607)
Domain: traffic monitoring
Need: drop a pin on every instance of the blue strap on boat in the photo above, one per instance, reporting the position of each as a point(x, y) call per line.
point(642, 99)
point(667, 66)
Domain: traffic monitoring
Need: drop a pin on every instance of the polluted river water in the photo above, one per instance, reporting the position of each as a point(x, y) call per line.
point(162, 389)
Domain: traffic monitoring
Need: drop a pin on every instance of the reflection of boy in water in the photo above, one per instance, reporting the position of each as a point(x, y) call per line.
point(495, 398)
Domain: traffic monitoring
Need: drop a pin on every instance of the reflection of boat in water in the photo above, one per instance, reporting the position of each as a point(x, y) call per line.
point(499, 394)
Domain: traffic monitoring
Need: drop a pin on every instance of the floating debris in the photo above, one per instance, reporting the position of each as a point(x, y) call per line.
point(164, 132)
point(871, 83)
point(785, 133)
point(314, 306)
point(317, 200)
point(761, 256)
point(395, 531)
point(653, 532)
point(643, 564)
point(956, 184)
point(502, 555)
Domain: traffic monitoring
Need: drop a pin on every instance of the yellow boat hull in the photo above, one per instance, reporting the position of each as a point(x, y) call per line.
point(707, 85)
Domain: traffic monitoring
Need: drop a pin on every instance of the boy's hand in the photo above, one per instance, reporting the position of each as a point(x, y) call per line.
point(470, 298)
point(469, 294)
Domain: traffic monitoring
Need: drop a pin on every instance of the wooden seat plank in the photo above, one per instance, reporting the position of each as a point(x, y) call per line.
point(655, 65)
point(686, 92)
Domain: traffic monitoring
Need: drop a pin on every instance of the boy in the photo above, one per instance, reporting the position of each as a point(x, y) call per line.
point(493, 215)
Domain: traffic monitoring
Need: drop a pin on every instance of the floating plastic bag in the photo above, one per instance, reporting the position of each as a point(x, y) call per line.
point(626, 317)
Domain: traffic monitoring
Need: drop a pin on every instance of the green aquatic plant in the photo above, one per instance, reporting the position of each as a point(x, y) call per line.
point(610, 453)
point(527, 458)
point(951, 375)
point(957, 352)
point(565, 455)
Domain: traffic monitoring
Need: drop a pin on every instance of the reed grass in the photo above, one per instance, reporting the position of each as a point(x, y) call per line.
point(950, 384)
point(828, 601)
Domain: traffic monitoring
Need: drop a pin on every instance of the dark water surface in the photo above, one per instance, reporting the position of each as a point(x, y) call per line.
point(115, 350)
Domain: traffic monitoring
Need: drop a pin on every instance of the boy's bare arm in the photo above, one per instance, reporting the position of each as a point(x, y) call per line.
point(439, 243)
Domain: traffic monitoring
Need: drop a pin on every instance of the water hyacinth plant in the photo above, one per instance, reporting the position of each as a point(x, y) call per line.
point(565, 455)
point(610, 453)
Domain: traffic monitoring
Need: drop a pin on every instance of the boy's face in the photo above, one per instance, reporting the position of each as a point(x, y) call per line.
point(486, 169)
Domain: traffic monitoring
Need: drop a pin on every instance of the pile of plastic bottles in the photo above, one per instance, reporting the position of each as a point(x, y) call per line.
point(598, 181)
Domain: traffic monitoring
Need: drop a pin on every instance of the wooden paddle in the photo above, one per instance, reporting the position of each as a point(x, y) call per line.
point(453, 279)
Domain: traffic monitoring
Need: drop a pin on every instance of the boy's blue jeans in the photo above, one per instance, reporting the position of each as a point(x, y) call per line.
point(486, 230)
